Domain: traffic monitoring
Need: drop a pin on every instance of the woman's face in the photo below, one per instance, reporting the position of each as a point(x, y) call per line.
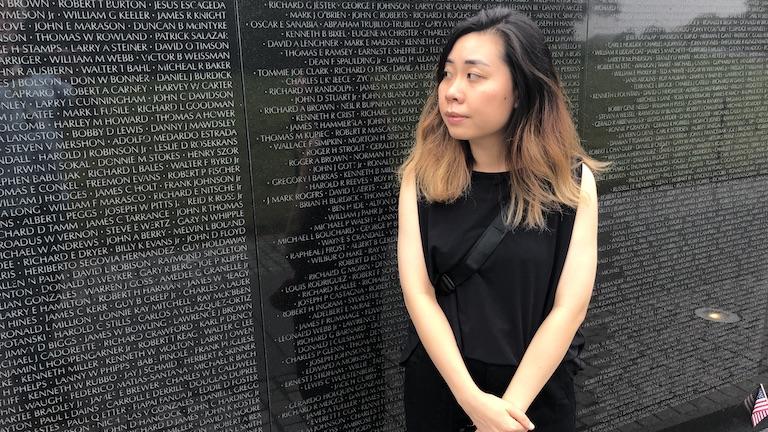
point(475, 96)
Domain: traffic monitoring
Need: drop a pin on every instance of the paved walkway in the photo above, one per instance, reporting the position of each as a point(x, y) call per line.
point(733, 419)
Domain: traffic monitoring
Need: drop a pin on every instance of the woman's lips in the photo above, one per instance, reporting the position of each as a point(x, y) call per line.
point(454, 118)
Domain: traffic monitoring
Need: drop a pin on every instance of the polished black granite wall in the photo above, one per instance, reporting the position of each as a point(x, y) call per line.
point(198, 206)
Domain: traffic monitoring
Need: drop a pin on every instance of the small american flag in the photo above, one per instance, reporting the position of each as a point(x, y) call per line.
point(760, 410)
point(749, 402)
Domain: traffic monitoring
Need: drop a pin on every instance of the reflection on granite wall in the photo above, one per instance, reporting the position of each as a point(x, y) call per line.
point(198, 206)
point(676, 96)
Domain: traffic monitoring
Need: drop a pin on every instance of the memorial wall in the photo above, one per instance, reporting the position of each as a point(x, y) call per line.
point(198, 206)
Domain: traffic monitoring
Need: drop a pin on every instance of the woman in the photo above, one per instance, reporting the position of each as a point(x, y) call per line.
point(495, 136)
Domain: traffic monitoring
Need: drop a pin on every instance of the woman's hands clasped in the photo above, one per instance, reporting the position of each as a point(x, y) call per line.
point(490, 413)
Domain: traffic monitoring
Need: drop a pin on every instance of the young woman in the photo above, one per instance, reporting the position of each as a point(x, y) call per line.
point(495, 136)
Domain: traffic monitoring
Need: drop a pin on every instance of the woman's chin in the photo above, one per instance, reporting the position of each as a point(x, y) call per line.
point(458, 135)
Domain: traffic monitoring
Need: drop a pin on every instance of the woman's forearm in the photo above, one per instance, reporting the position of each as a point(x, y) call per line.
point(438, 339)
point(542, 357)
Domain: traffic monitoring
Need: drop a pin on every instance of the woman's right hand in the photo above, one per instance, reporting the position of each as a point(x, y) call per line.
point(490, 413)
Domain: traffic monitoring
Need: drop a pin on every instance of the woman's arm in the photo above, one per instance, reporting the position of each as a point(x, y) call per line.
point(574, 291)
point(429, 320)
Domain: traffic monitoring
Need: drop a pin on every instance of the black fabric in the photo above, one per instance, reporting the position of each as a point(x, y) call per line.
point(475, 258)
point(431, 407)
point(495, 313)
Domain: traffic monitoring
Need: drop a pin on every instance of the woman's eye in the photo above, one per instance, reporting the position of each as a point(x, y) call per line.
point(472, 76)
point(446, 73)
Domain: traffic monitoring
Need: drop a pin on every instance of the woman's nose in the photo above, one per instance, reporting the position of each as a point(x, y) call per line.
point(455, 90)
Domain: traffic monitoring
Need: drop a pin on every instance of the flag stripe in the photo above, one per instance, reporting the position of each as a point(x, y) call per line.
point(760, 410)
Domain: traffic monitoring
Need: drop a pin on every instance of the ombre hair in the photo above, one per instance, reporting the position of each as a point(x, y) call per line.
point(543, 145)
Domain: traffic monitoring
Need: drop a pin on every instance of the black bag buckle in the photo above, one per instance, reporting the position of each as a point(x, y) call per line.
point(445, 285)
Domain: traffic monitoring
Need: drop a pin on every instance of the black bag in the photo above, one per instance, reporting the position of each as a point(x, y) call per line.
point(475, 258)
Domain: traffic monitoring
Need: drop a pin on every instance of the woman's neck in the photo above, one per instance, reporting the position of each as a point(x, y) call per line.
point(488, 155)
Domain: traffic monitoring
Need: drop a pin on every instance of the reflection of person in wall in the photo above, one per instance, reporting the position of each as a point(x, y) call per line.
point(345, 366)
point(495, 139)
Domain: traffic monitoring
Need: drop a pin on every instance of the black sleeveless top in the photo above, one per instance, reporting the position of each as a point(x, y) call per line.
point(495, 313)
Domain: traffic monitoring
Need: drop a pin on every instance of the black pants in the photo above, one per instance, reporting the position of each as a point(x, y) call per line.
point(431, 407)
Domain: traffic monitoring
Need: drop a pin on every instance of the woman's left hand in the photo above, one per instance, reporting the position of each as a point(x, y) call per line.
point(491, 413)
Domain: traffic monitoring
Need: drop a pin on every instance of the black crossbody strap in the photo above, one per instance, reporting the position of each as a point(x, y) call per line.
point(475, 258)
